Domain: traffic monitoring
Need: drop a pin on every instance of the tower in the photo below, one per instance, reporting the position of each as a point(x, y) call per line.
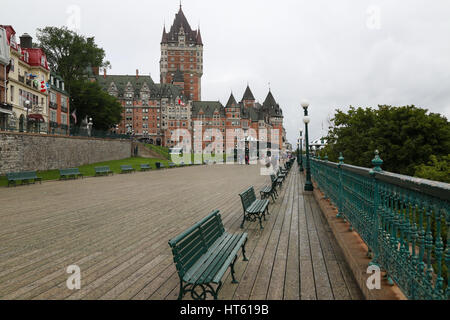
point(182, 52)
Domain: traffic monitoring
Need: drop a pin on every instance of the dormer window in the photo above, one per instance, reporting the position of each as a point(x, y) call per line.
point(43, 61)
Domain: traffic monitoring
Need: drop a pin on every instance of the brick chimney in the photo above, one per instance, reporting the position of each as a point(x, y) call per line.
point(137, 74)
point(104, 73)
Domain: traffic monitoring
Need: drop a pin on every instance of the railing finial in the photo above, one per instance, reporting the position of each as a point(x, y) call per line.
point(377, 162)
point(341, 158)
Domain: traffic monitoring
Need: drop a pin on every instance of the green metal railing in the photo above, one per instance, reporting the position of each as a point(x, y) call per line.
point(404, 221)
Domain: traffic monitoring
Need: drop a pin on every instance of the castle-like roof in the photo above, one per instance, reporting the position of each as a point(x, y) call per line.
point(125, 83)
point(248, 95)
point(180, 23)
point(231, 101)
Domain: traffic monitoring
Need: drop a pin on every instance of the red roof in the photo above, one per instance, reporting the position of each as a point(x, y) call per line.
point(36, 57)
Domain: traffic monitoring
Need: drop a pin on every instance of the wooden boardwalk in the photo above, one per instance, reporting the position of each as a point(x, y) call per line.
point(116, 230)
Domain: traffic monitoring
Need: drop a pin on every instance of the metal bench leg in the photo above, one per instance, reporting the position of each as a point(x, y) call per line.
point(260, 222)
point(243, 220)
point(243, 250)
point(180, 295)
point(232, 271)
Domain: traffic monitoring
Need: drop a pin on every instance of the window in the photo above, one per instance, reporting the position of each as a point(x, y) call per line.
point(63, 118)
point(12, 65)
point(63, 104)
point(12, 93)
point(53, 116)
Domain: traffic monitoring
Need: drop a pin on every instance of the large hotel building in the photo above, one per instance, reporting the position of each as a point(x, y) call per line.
point(152, 111)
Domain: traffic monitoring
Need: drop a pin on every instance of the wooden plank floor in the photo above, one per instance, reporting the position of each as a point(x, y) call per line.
point(116, 230)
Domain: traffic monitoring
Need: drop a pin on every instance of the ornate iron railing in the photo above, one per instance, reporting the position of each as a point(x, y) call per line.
point(404, 221)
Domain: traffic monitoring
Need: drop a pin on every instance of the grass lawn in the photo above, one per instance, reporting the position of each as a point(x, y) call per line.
point(88, 170)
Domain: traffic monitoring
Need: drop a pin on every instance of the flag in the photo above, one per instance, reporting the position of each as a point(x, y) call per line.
point(43, 86)
point(74, 115)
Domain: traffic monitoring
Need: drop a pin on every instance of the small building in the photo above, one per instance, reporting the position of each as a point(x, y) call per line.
point(5, 108)
point(59, 109)
point(27, 84)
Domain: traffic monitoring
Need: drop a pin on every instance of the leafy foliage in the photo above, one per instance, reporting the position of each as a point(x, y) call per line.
point(90, 100)
point(71, 56)
point(405, 136)
point(437, 169)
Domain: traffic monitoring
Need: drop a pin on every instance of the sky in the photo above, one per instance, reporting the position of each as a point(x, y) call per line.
point(333, 53)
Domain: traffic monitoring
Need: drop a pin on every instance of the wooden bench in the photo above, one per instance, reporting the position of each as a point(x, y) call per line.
point(269, 191)
point(145, 166)
point(103, 170)
point(69, 173)
point(203, 253)
point(278, 181)
point(126, 168)
point(23, 177)
point(253, 208)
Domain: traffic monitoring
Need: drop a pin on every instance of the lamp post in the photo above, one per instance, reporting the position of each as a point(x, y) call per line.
point(301, 151)
point(89, 127)
point(306, 120)
point(27, 106)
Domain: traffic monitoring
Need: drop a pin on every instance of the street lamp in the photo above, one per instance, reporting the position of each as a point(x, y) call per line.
point(27, 106)
point(306, 120)
point(89, 127)
point(301, 152)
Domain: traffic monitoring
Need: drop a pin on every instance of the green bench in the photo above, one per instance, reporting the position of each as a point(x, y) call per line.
point(103, 170)
point(69, 173)
point(24, 177)
point(145, 166)
point(126, 168)
point(278, 181)
point(159, 165)
point(203, 253)
point(253, 208)
point(269, 191)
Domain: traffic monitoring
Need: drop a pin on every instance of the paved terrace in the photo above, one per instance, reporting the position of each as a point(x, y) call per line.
point(116, 230)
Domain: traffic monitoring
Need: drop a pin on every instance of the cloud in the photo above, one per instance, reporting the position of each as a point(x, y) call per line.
point(322, 50)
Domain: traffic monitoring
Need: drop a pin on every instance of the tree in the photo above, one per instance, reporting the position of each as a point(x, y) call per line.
point(70, 54)
point(90, 100)
point(437, 169)
point(405, 136)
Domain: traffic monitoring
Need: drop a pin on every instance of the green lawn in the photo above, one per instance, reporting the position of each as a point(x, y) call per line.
point(88, 170)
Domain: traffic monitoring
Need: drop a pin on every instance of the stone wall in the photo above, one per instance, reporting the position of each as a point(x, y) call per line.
point(26, 151)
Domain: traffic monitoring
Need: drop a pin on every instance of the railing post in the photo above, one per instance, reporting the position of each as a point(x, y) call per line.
point(376, 210)
point(341, 188)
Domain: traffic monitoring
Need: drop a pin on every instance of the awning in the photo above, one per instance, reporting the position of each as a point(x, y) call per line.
point(37, 117)
point(6, 111)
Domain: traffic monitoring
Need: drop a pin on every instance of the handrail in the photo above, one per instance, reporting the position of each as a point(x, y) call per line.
point(404, 221)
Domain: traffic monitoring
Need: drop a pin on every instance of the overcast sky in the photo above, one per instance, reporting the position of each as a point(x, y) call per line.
point(335, 53)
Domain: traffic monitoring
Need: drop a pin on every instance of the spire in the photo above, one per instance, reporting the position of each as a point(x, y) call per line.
point(248, 95)
point(270, 101)
point(164, 35)
point(231, 102)
point(199, 37)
